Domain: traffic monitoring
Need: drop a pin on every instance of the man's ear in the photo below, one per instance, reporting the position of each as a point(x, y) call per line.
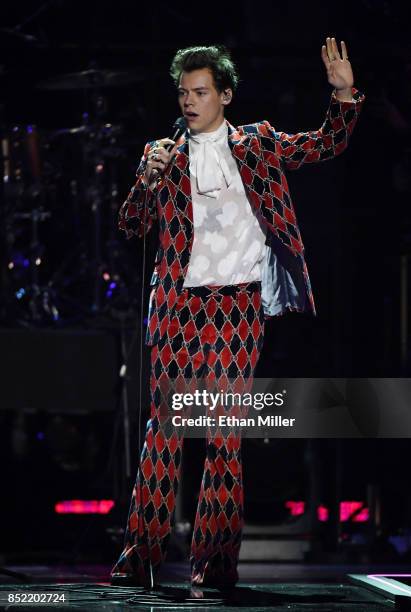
point(227, 96)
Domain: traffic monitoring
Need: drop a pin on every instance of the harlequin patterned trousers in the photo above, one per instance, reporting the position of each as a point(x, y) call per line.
point(215, 337)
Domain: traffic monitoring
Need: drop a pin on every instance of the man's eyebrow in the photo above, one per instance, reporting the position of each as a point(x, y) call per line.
point(194, 88)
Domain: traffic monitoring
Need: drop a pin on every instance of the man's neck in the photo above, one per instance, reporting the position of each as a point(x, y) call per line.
point(208, 131)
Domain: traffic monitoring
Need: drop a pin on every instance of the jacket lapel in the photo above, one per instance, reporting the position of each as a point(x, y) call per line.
point(181, 156)
point(240, 144)
point(237, 142)
point(177, 179)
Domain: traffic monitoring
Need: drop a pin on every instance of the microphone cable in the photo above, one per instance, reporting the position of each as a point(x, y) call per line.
point(179, 126)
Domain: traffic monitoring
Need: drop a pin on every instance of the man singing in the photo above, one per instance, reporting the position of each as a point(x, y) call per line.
point(230, 256)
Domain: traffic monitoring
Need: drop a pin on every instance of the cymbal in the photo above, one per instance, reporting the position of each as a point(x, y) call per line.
point(90, 79)
point(106, 129)
point(13, 37)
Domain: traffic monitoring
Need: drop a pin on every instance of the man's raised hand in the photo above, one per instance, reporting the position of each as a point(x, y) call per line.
point(339, 71)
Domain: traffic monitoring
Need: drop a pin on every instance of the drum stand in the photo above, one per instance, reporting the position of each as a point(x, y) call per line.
point(39, 297)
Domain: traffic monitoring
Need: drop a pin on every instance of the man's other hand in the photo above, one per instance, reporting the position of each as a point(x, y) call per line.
point(339, 71)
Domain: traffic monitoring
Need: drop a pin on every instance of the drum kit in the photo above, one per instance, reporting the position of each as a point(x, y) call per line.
point(64, 255)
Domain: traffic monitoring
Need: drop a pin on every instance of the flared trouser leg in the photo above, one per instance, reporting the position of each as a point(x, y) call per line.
point(219, 520)
point(153, 498)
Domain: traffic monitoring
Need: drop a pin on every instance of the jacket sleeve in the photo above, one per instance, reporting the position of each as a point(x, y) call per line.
point(327, 142)
point(138, 212)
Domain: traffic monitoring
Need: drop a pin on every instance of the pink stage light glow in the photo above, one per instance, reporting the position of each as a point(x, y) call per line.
point(347, 510)
point(81, 506)
point(322, 514)
point(296, 507)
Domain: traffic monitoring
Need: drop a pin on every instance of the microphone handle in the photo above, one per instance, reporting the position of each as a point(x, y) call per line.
point(179, 132)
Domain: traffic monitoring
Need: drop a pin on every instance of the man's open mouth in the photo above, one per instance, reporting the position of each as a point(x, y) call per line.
point(191, 115)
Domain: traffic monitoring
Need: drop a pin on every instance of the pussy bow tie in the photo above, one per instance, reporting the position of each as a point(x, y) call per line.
point(207, 161)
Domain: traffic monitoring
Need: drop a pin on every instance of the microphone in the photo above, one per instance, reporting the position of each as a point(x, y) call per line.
point(180, 126)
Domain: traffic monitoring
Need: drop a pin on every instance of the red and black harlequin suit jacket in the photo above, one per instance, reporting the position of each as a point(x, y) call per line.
point(262, 155)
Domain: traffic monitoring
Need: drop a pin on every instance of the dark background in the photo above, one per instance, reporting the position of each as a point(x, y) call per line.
point(353, 212)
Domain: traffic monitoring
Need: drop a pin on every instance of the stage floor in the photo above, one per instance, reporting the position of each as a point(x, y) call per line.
point(261, 587)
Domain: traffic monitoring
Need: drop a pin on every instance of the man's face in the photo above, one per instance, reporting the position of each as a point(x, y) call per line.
point(200, 102)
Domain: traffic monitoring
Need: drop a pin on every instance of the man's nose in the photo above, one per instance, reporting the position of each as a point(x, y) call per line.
point(189, 100)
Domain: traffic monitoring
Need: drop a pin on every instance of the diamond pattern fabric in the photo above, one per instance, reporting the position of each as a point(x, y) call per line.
point(202, 346)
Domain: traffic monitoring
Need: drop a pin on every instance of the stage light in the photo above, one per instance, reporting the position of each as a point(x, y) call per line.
point(350, 508)
point(81, 506)
point(322, 514)
point(354, 511)
point(296, 507)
